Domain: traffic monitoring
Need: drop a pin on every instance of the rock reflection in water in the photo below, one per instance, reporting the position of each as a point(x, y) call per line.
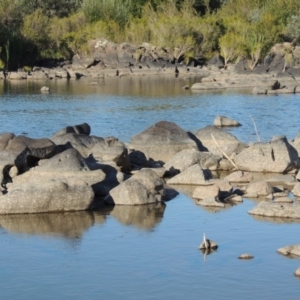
point(140, 216)
point(276, 220)
point(206, 252)
point(69, 225)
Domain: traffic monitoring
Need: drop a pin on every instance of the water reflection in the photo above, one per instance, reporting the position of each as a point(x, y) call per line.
point(276, 220)
point(140, 216)
point(69, 225)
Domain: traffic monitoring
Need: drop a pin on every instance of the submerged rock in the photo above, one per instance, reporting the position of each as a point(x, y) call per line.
point(246, 256)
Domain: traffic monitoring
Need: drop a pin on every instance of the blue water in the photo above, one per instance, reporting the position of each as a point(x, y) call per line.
point(149, 252)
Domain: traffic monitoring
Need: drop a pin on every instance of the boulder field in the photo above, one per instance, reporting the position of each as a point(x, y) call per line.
point(76, 171)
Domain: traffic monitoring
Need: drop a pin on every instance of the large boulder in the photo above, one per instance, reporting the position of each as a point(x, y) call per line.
point(213, 137)
point(189, 157)
point(162, 140)
point(69, 165)
point(102, 149)
point(47, 196)
point(144, 187)
point(276, 156)
point(22, 153)
point(280, 210)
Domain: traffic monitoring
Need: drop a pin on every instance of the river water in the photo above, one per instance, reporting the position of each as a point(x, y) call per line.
point(148, 252)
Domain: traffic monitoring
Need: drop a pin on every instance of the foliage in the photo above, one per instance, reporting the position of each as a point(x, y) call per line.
point(37, 29)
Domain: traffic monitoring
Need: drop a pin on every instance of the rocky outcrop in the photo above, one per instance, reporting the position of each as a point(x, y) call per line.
point(276, 156)
point(22, 153)
point(162, 141)
point(102, 149)
point(227, 142)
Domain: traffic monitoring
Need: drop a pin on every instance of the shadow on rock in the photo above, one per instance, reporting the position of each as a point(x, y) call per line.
point(70, 225)
point(140, 216)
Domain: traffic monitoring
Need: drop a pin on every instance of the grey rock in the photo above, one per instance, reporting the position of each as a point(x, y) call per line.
point(297, 272)
point(79, 129)
point(280, 210)
point(223, 121)
point(102, 149)
point(260, 188)
point(228, 143)
point(296, 190)
point(47, 196)
point(144, 187)
point(188, 157)
point(290, 250)
point(162, 140)
point(277, 156)
point(203, 192)
point(193, 175)
point(211, 202)
point(239, 177)
point(283, 200)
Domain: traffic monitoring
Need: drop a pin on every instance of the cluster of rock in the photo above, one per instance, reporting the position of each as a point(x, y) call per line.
point(277, 74)
point(74, 170)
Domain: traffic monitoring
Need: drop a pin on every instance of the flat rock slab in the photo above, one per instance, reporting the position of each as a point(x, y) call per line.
point(280, 210)
point(290, 250)
point(210, 202)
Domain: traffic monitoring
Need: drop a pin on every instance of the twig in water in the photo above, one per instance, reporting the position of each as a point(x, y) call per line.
point(224, 153)
point(257, 136)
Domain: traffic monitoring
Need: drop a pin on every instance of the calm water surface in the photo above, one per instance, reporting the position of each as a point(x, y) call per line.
point(148, 252)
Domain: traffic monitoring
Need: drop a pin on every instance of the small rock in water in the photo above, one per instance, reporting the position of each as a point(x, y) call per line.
point(45, 89)
point(297, 273)
point(208, 244)
point(245, 256)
